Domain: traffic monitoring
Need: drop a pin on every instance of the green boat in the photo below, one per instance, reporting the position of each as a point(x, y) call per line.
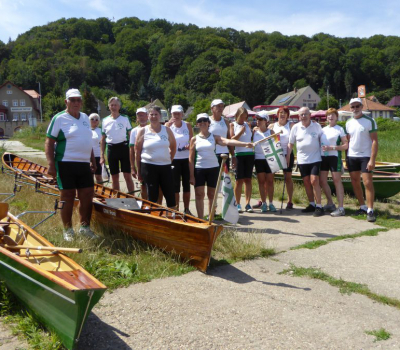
point(58, 291)
point(386, 184)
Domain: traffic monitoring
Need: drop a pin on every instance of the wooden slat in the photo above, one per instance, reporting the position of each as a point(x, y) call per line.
point(77, 278)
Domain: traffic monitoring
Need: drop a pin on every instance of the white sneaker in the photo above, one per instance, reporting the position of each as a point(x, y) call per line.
point(338, 212)
point(69, 234)
point(87, 232)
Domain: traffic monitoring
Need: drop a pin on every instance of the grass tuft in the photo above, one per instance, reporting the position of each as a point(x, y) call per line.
point(379, 335)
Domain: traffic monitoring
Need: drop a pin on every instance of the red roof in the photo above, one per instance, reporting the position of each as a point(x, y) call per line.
point(394, 102)
point(369, 105)
point(32, 93)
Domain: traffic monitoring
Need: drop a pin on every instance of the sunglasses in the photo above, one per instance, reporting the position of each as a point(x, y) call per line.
point(356, 106)
point(203, 120)
point(73, 100)
point(94, 120)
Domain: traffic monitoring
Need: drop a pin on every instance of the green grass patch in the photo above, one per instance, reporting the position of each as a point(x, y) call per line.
point(319, 243)
point(345, 287)
point(32, 137)
point(380, 334)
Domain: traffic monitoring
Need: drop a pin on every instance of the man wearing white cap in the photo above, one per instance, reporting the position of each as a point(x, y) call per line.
point(69, 153)
point(220, 126)
point(363, 148)
point(141, 119)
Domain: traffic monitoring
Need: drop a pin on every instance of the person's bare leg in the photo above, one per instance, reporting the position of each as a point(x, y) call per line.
point(248, 190)
point(316, 187)
point(98, 178)
point(177, 200)
point(210, 195)
point(289, 186)
point(337, 180)
point(68, 197)
point(369, 189)
point(186, 200)
point(261, 186)
point(143, 191)
point(323, 180)
point(238, 190)
point(115, 182)
point(85, 196)
point(160, 196)
point(309, 189)
point(357, 189)
point(199, 196)
point(129, 182)
point(270, 186)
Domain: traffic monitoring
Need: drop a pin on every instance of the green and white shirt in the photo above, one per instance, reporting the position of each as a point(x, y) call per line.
point(116, 130)
point(73, 137)
point(360, 140)
point(332, 136)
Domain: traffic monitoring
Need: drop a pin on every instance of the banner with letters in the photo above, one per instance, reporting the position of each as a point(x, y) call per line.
point(274, 153)
point(229, 206)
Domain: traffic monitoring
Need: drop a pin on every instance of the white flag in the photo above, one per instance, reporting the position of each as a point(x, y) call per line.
point(229, 206)
point(274, 153)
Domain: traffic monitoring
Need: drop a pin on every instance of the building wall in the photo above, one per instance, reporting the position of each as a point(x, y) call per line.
point(9, 128)
point(309, 98)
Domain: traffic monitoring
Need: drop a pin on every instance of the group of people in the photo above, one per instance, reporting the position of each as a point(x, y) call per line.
point(164, 158)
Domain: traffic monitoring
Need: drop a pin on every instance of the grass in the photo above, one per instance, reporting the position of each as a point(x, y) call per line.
point(380, 334)
point(32, 137)
point(345, 287)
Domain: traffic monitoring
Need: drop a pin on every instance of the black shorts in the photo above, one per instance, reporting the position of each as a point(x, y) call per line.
point(309, 169)
point(118, 153)
point(207, 176)
point(289, 169)
point(181, 171)
point(157, 176)
point(262, 166)
point(357, 164)
point(228, 161)
point(244, 166)
point(332, 163)
point(98, 166)
point(74, 175)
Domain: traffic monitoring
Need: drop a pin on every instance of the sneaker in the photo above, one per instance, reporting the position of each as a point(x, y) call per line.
point(371, 217)
point(87, 232)
point(239, 207)
point(188, 212)
point(272, 208)
point(338, 212)
point(248, 208)
point(289, 205)
point(258, 205)
point(264, 208)
point(360, 212)
point(330, 207)
point(309, 209)
point(318, 211)
point(68, 234)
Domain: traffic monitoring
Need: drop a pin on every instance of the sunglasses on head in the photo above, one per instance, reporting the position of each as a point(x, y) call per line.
point(355, 106)
point(73, 100)
point(203, 120)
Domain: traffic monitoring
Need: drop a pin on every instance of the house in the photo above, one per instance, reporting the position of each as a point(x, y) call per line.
point(164, 112)
point(394, 102)
point(230, 110)
point(304, 97)
point(375, 109)
point(18, 108)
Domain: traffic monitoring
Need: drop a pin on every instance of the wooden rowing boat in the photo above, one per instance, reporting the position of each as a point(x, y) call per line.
point(381, 166)
point(189, 237)
point(385, 184)
point(58, 291)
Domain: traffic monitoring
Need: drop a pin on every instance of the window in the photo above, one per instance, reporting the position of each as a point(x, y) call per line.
point(381, 113)
point(9, 92)
point(310, 105)
point(23, 117)
point(304, 104)
point(15, 117)
point(2, 117)
point(22, 103)
point(15, 103)
point(309, 96)
point(29, 115)
point(5, 103)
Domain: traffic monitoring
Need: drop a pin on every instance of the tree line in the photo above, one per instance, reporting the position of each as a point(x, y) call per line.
point(184, 64)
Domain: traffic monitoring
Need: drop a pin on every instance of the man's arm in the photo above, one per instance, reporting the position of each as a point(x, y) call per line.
point(49, 151)
point(374, 151)
point(102, 149)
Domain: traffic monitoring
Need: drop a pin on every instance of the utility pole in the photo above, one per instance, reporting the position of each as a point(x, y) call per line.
point(327, 96)
point(40, 103)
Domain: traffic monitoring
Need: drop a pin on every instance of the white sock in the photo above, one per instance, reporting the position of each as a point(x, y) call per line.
point(319, 205)
point(270, 203)
point(370, 210)
point(341, 208)
point(312, 203)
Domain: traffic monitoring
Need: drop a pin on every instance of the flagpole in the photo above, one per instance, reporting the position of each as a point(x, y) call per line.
point(267, 138)
point(214, 203)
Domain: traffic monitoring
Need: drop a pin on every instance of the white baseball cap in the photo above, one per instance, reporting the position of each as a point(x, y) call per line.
point(355, 100)
point(202, 115)
point(72, 93)
point(216, 102)
point(141, 110)
point(263, 115)
point(177, 108)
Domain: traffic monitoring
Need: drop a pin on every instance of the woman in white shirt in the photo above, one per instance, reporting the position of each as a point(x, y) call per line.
point(155, 149)
point(333, 142)
point(96, 138)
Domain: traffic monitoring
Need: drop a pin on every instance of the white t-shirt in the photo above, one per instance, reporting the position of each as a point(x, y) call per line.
point(219, 128)
point(182, 139)
point(307, 142)
point(332, 136)
point(116, 129)
point(360, 140)
point(156, 147)
point(134, 132)
point(205, 152)
point(284, 136)
point(73, 137)
point(96, 138)
point(258, 135)
point(245, 137)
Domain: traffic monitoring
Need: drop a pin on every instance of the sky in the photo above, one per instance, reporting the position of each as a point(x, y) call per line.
point(342, 18)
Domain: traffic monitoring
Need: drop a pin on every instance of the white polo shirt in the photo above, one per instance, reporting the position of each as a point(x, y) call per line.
point(116, 129)
point(307, 142)
point(332, 136)
point(73, 137)
point(96, 138)
point(360, 140)
point(134, 132)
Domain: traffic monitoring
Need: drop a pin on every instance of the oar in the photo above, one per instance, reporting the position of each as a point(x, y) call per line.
point(214, 203)
point(267, 138)
point(56, 249)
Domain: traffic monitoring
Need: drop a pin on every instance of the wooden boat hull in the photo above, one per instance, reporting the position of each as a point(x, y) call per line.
point(189, 237)
point(57, 291)
point(385, 184)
